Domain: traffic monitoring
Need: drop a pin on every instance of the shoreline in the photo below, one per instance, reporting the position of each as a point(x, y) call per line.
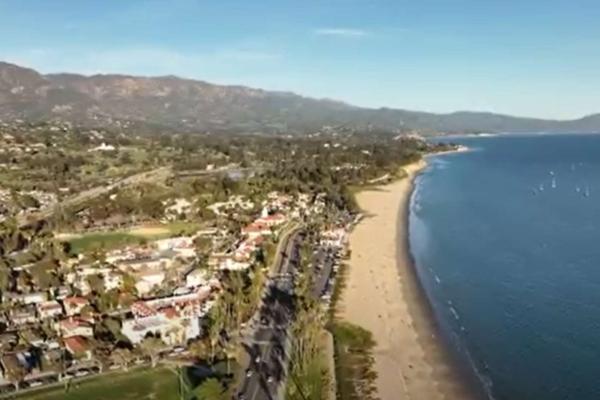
point(384, 295)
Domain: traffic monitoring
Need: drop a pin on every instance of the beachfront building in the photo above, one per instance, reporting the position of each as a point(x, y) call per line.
point(334, 237)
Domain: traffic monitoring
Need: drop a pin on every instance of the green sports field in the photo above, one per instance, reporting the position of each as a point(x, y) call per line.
point(142, 384)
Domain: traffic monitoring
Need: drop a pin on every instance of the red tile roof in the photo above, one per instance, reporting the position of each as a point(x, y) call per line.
point(74, 301)
point(77, 344)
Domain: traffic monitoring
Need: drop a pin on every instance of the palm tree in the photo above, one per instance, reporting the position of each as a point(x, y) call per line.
point(217, 323)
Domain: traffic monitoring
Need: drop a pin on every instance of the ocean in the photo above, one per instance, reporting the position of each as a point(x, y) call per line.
point(506, 241)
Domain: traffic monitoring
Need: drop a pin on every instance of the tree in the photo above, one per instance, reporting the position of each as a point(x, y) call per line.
point(210, 389)
point(216, 325)
point(201, 348)
point(96, 283)
point(5, 275)
point(15, 375)
point(122, 357)
point(151, 347)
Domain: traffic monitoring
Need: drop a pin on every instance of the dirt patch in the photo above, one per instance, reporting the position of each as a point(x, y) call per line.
point(149, 231)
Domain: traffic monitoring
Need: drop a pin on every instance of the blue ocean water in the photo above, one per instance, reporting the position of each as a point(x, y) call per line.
point(506, 240)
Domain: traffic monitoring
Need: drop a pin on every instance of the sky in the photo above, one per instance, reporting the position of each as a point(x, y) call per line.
point(538, 58)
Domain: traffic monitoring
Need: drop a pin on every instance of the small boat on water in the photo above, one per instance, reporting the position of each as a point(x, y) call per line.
point(553, 183)
point(577, 189)
point(541, 187)
point(587, 192)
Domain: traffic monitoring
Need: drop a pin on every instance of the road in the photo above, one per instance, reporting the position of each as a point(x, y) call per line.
point(148, 176)
point(323, 269)
point(266, 345)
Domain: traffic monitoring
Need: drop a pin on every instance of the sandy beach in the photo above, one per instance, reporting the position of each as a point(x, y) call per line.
point(383, 296)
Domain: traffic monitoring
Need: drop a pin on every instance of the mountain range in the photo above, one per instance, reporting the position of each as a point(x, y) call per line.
point(180, 104)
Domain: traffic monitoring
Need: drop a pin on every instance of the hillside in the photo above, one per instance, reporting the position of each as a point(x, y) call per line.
point(190, 105)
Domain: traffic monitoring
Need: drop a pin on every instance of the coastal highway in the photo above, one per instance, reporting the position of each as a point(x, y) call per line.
point(266, 343)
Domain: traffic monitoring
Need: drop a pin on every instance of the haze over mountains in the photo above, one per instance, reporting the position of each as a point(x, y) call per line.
point(190, 105)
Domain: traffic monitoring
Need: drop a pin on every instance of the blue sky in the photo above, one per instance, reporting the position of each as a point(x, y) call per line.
point(529, 57)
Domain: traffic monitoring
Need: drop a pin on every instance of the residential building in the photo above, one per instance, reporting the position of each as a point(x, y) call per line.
point(197, 277)
point(74, 305)
point(79, 347)
point(74, 326)
point(27, 298)
point(49, 309)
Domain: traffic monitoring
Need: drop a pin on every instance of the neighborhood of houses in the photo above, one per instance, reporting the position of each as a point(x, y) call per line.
point(173, 292)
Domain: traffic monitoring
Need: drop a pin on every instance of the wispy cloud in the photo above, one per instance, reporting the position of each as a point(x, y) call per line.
point(341, 32)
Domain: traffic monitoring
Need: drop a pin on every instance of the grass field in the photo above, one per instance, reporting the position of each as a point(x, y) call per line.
point(145, 384)
point(112, 240)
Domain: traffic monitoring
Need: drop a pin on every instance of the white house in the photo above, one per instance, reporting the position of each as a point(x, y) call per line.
point(197, 277)
point(182, 245)
point(230, 264)
point(112, 280)
point(172, 328)
point(103, 147)
point(148, 279)
point(28, 298)
point(23, 316)
point(49, 309)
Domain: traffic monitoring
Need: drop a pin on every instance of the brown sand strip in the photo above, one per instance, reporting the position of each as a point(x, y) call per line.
point(383, 296)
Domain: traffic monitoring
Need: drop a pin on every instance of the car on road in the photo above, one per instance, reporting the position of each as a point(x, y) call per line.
point(249, 373)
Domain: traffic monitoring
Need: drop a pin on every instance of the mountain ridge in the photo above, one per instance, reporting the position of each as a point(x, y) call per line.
point(182, 104)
